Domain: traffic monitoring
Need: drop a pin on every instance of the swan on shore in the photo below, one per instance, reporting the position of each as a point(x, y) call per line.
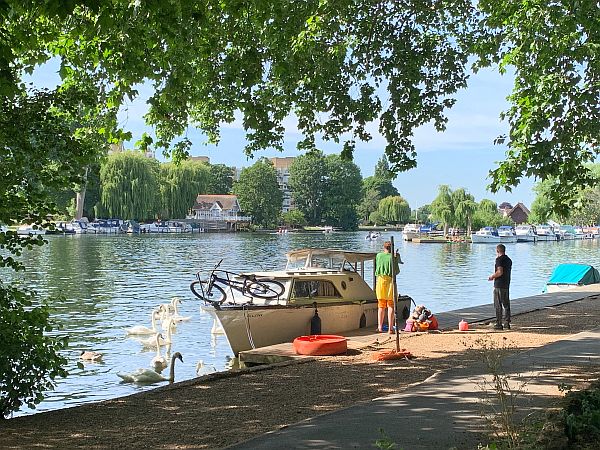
point(90, 355)
point(149, 376)
point(141, 329)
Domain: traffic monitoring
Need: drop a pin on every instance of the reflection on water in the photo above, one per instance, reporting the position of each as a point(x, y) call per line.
point(113, 282)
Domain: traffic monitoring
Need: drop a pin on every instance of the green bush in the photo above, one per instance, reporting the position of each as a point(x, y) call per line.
point(29, 357)
point(582, 415)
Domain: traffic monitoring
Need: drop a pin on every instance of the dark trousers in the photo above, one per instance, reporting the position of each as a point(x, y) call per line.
point(502, 300)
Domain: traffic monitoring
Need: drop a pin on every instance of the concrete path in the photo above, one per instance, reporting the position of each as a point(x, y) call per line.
point(445, 411)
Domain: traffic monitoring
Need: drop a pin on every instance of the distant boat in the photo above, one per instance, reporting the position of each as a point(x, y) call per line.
point(566, 232)
point(507, 234)
point(545, 233)
point(327, 229)
point(105, 226)
point(567, 276)
point(169, 226)
point(28, 230)
point(486, 235)
point(411, 231)
point(526, 233)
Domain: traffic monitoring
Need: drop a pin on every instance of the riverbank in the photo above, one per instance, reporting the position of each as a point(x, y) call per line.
point(214, 412)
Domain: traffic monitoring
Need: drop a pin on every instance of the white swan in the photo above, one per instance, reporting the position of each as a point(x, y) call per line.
point(159, 361)
point(141, 329)
point(90, 356)
point(149, 376)
point(202, 369)
point(157, 340)
point(172, 311)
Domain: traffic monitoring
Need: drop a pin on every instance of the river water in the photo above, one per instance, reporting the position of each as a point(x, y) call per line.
point(113, 282)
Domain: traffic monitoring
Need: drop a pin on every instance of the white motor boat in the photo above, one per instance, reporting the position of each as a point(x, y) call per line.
point(29, 230)
point(411, 231)
point(545, 233)
point(486, 235)
point(105, 226)
point(169, 226)
point(507, 234)
point(567, 233)
point(79, 226)
point(258, 309)
point(526, 233)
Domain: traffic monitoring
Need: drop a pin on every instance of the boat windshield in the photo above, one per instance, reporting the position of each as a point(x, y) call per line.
point(330, 259)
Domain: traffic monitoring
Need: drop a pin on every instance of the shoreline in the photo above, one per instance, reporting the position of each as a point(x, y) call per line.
point(218, 410)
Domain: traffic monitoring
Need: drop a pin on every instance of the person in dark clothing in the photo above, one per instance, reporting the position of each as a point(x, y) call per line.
point(501, 278)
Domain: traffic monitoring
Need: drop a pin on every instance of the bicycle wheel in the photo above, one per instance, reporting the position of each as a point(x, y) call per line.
point(216, 295)
point(265, 289)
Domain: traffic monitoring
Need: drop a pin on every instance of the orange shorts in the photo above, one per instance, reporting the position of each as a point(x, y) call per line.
point(384, 290)
point(383, 303)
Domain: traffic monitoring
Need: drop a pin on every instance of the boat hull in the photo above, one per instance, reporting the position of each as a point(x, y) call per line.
point(254, 327)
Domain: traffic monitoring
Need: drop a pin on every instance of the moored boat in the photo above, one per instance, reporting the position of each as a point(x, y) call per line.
point(30, 230)
point(411, 231)
point(545, 232)
point(486, 235)
point(566, 232)
point(105, 226)
point(507, 234)
point(264, 308)
point(526, 233)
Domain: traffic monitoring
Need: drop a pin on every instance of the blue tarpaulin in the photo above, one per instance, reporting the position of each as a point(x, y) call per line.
point(575, 274)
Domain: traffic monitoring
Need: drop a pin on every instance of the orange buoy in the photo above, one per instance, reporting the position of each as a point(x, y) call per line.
point(463, 325)
point(321, 345)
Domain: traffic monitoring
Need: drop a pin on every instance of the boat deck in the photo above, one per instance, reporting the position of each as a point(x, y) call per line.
point(363, 337)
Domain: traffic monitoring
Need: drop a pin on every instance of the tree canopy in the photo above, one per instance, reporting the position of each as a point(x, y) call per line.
point(259, 194)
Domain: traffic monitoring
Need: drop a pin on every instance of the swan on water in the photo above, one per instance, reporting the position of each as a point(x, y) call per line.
point(141, 329)
point(159, 361)
point(202, 369)
point(157, 340)
point(90, 355)
point(171, 310)
point(176, 316)
point(149, 376)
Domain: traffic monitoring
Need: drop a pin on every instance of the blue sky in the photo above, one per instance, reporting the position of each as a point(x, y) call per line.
point(461, 156)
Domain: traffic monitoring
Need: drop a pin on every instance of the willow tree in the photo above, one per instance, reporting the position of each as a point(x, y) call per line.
point(130, 188)
point(464, 209)
point(394, 209)
point(180, 184)
point(442, 207)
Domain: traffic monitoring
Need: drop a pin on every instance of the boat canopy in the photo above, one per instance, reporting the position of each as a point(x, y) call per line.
point(348, 255)
point(575, 274)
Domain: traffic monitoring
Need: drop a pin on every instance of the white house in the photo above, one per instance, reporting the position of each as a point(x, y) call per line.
point(224, 209)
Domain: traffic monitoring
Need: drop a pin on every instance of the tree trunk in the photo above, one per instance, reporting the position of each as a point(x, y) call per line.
point(80, 198)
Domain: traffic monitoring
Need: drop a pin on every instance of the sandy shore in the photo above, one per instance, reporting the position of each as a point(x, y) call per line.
point(213, 412)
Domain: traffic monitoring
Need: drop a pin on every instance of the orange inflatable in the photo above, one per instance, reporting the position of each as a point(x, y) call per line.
point(321, 345)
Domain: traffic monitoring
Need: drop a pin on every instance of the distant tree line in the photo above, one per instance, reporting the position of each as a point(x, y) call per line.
point(326, 190)
point(131, 186)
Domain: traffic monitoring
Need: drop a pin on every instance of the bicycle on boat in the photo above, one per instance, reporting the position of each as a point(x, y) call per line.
point(211, 291)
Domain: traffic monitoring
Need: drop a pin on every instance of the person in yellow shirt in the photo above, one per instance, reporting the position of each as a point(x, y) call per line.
point(384, 288)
